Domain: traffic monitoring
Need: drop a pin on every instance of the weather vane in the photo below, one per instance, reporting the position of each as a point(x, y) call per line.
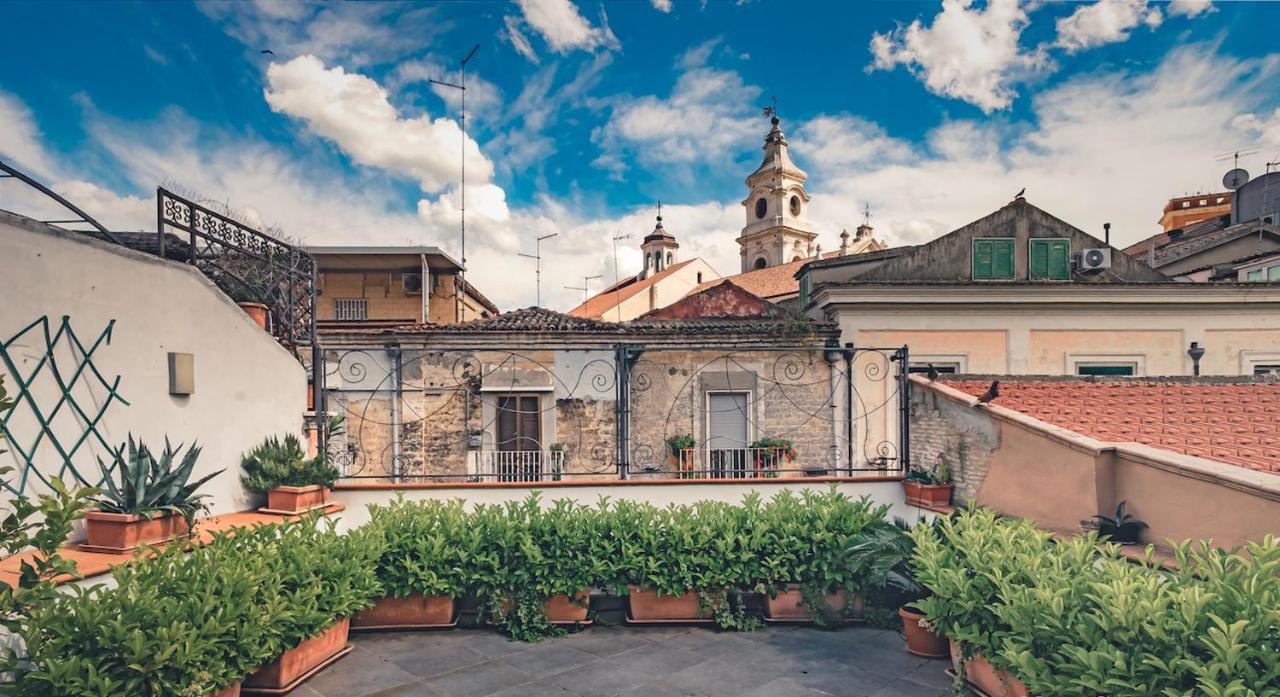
point(659, 211)
point(866, 214)
point(772, 109)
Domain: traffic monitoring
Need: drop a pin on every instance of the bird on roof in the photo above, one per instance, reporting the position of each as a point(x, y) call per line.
point(932, 373)
point(1020, 194)
point(990, 395)
point(269, 52)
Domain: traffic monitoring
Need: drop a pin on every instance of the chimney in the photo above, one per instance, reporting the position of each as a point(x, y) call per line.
point(1151, 252)
point(1106, 233)
point(845, 246)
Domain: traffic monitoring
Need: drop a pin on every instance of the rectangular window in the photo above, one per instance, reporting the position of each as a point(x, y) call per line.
point(1273, 273)
point(993, 259)
point(351, 308)
point(942, 368)
point(1254, 275)
point(1266, 369)
point(519, 422)
point(727, 434)
point(804, 290)
point(1050, 260)
point(1105, 369)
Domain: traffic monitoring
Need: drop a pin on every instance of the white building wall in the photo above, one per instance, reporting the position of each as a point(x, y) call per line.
point(246, 385)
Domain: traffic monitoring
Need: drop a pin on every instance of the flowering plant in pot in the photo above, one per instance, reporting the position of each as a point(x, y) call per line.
point(429, 552)
point(292, 482)
point(770, 453)
point(145, 499)
point(682, 457)
point(930, 486)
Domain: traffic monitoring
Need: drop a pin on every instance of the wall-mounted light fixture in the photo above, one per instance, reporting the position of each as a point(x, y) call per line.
point(1196, 353)
point(182, 374)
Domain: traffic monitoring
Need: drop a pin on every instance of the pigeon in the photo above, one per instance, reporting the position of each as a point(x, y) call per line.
point(990, 395)
point(268, 51)
point(1020, 193)
point(932, 374)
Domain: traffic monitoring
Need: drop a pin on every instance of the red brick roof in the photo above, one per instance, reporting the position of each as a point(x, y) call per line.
point(1233, 422)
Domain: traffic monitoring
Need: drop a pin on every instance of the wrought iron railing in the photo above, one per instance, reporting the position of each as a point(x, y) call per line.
point(515, 466)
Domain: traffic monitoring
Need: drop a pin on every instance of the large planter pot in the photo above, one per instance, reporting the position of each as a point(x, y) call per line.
point(123, 532)
point(789, 606)
point(1125, 534)
point(928, 494)
point(232, 690)
point(561, 609)
point(996, 682)
point(647, 605)
point(921, 641)
point(257, 312)
point(297, 499)
point(301, 662)
point(413, 612)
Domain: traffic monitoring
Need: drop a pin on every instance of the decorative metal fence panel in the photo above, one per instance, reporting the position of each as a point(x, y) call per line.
point(59, 400)
point(489, 415)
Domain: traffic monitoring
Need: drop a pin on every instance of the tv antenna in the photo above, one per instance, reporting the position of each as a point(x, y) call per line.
point(617, 278)
point(537, 263)
point(462, 275)
point(583, 287)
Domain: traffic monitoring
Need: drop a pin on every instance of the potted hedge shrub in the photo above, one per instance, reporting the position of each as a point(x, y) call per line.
point(682, 457)
point(145, 500)
point(882, 555)
point(771, 455)
point(801, 541)
point(931, 486)
point(293, 483)
point(427, 563)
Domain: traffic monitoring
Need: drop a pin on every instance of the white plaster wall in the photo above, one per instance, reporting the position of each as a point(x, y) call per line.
point(880, 492)
point(246, 385)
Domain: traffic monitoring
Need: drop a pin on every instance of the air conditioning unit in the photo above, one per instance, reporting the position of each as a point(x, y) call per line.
point(1094, 259)
point(412, 283)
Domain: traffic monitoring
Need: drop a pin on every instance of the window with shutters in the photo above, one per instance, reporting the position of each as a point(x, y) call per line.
point(728, 433)
point(519, 423)
point(993, 259)
point(1050, 260)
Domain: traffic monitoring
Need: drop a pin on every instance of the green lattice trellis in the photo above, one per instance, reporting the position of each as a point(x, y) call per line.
point(67, 375)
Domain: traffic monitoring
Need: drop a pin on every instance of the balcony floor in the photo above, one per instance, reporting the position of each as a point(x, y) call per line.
point(633, 661)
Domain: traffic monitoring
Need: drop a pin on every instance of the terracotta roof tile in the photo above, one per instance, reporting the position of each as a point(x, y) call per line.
point(1233, 422)
point(601, 303)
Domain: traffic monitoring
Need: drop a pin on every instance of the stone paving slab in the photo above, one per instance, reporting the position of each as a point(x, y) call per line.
point(646, 661)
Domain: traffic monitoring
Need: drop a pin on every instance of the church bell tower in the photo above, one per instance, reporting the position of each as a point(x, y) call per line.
point(777, 207)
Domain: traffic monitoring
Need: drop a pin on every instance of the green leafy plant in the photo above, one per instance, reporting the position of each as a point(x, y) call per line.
point(681, 442)
point(428, 547)
point(937, 475)
point(139, 483)
point(1121, 528)
point(275, 462)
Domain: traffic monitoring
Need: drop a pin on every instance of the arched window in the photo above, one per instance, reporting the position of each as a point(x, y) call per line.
point(670, 257)
point(761, 263)
point(795, 206)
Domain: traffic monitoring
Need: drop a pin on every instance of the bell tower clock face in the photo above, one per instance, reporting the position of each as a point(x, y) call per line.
point(762, 207)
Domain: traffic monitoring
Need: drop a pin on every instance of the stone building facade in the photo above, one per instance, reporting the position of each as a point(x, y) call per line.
point(537, 395)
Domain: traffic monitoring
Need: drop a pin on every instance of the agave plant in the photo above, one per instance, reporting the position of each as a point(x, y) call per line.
point(138, 483)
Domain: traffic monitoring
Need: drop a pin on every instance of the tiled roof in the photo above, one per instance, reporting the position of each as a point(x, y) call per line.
point(1198, 237)
point(607, 299)
point(1236, 422)
point(776, 282)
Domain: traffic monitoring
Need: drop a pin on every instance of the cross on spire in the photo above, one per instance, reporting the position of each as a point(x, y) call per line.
point(866, 214)
point(659, 211)
point(772, 109)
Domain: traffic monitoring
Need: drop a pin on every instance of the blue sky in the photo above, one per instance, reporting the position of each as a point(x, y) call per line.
point(583, 114)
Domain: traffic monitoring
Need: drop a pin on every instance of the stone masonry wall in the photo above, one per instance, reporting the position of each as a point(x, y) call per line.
point(959, 436)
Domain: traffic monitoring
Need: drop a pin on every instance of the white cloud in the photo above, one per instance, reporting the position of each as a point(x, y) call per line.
point(967, 53)
point(1104, 22)
point(483, 97)
point(1190, 8)
point(518, 40)
point(353, 111)
point(1265, 130)
point(661, 5)
point(563, 28)
point(20, 140)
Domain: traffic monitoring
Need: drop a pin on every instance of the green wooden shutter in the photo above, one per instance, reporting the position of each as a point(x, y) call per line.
point(1059, 260)
point(1039, 259)
point(1002, 259)
point(982, 257)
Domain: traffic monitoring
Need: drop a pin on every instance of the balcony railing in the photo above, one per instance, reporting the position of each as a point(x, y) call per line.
point(741, 463)
point(515, 466)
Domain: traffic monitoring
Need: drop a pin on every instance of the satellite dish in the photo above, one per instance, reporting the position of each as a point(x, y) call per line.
point(1235, 179)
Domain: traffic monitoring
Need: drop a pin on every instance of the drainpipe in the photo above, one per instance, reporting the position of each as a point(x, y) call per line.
point(848, 400)
point(393, 352)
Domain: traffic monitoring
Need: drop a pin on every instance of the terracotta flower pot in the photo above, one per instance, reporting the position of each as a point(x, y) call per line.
point(256, 311)
point(297, 499)
point(789, 604)
point(648, 606)
point(232, 690)
point(123, 532)
point(921, 641)
point(996, 682)
point(560, 609)
point(415, 611)
point(928, 494)
point(298, 662)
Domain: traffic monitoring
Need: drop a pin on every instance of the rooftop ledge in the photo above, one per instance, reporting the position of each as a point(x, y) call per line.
point(371, 485)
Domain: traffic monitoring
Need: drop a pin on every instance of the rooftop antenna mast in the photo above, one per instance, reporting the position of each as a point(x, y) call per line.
point(617, 278)
point(537, 262)
point(583, 287)
point(457, 306)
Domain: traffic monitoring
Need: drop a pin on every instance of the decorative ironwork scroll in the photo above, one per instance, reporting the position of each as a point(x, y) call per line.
point(62, 365)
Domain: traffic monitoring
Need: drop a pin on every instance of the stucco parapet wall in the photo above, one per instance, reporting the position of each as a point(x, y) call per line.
point(35, 226)
point(1260, 484)
point(1045, 293)
point(597, 483)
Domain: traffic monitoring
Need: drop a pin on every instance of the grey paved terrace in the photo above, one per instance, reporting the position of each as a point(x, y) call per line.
point(633, 661)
